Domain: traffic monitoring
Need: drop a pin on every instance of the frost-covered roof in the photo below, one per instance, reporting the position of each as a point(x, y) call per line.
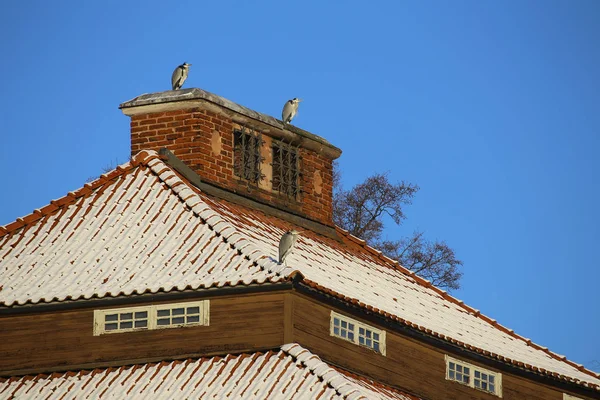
point(136, 229)
point(143, 228)
point(290, 373)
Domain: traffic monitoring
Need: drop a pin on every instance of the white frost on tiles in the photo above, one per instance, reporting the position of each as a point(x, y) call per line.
point(133, 235)
point(140, 233)
point(371, 281)
point(272, 375)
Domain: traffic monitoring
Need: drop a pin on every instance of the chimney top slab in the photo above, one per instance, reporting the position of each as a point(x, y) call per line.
point(194, 97)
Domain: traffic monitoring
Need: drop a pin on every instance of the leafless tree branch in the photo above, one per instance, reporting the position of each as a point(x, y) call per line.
point(361, 210)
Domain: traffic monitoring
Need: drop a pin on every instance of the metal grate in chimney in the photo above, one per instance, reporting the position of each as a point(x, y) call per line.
point(247, 157)
point(285, 169)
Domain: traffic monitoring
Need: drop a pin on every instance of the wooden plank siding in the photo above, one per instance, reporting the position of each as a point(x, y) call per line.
point(408, 364)
point(64, 340)
point(58, 341)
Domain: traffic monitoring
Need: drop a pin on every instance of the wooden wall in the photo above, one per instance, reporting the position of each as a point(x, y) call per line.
point(408, 364)
point(51, 341)
point(243, 323)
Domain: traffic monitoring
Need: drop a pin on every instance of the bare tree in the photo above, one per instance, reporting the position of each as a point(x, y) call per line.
point(361, 211)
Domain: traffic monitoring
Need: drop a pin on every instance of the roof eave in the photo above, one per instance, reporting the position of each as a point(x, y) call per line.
point(130, 299)
point(360, 310)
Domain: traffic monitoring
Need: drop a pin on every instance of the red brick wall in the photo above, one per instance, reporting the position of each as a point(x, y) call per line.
point(204, 141)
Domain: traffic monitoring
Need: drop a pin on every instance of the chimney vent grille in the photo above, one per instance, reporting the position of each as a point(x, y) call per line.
point(247, 156)
point(286, 169)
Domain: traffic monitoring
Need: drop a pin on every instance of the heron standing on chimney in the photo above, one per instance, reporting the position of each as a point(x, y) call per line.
point(180, 75)
point(289, 110)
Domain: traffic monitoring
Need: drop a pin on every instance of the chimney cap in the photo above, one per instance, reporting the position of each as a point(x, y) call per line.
point(145, 102)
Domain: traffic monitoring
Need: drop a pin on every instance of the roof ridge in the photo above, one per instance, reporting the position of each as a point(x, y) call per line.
point(221, 227)
point(473, 311)
point(328, 376)
point(214, 220)
point(341, 384)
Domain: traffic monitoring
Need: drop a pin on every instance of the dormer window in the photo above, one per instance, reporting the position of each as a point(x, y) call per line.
point(473, 376)
point(285, 169)
point(357, 332)
point(246, 155)
point(119, 320)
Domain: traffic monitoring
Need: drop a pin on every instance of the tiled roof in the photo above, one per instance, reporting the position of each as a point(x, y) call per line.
point(143, 228)
point(136, 229)
point(354, 272)
point(290, 373)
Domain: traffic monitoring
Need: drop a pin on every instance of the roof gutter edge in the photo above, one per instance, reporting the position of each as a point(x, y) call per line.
point(413, 333)
point(144, 298)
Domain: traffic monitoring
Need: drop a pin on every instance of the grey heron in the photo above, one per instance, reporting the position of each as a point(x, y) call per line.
point(289, 110)
point(287, 243)
point(180, 75)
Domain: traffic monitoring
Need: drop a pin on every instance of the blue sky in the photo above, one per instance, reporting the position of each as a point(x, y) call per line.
point(492, 108)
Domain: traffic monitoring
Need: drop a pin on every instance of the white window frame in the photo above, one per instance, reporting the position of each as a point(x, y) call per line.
point(357, 325)
point(472, 368)
point(152, 310)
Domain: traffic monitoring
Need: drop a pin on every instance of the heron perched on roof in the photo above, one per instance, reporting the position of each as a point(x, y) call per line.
point(290, 109)
point(287, 243)
point(180, 75)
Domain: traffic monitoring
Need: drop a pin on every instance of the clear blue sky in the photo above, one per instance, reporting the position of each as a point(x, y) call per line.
point(492, 108)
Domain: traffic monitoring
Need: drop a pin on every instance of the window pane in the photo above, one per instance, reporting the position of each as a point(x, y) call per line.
point(376, 336)
point(126, 325)
point(164, 313)
point(110, 327)
point(141, 314)
point(451, 374)
point(459, 368)
point(351, 336)
point(492, 388)
point(361, 331)
point(451, 366)
point(336, 322)
point(491, 379)
point(193, 310)
point(351, 327)
point(111, 317)
point(344, 324)
point(477, 374)
point(368, 334)
point(141, 324)
point(178, 311)
point(466, 370)
point(179, 320)
point(126, 316)
point(361, 340)
point(193, 318)
point(369, 343)
point(163, 321)
point(376, 346)
point(336, 331)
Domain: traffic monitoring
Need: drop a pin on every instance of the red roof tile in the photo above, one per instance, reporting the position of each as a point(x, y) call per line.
point(290, 373)
point(143, 228)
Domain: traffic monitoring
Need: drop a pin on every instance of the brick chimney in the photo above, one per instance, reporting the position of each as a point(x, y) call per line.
point(237, 149)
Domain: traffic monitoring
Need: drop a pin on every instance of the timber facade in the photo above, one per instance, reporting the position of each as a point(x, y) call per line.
point(164, 271)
